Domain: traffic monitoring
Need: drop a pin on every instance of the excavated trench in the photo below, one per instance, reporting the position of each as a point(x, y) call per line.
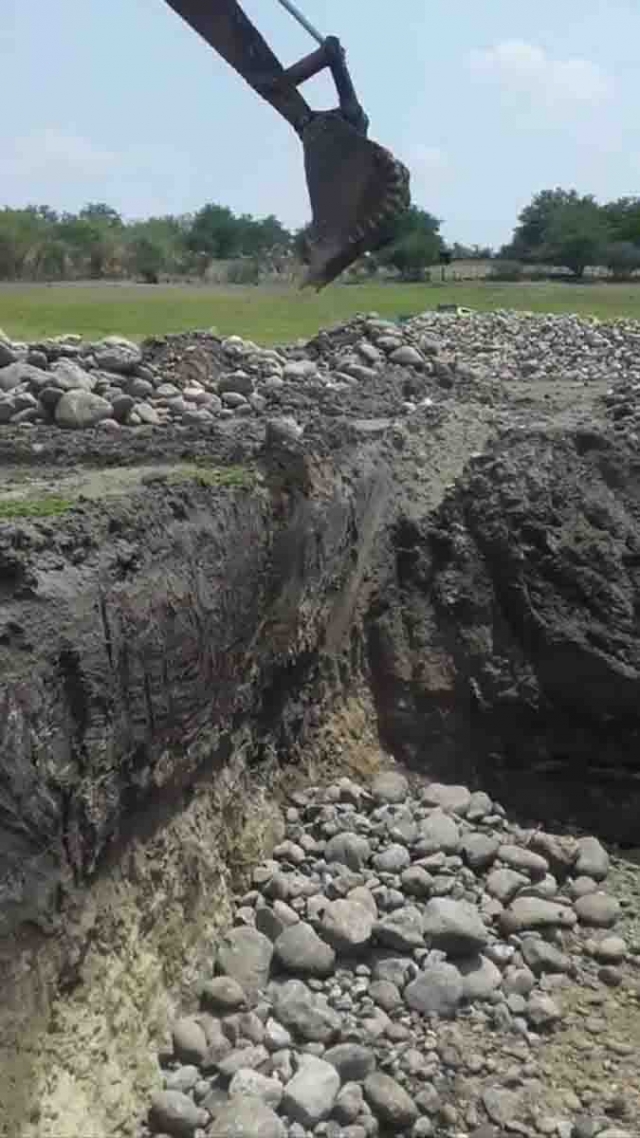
point(213, 618)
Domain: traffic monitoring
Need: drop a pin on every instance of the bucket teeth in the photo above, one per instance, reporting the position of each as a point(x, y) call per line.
point(356, 187)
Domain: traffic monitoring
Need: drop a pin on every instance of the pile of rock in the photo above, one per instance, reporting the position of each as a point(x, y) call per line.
point(192, 380)
point(399, 967)
point(196, 379)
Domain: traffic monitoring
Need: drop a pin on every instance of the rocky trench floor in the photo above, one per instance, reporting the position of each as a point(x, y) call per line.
point(412, 962)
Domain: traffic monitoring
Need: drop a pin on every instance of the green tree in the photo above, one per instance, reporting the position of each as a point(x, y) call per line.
point(622, 258)
point(214, 232)
point(623, 219)
point(575, 236)
point(531, 233)
point(22, 231)
point(414, 243)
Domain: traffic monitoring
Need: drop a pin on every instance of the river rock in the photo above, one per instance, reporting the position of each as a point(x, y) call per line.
point(299, 949)
point(389, 1101)
point(439, 988)
point(78, 409)
point(454, 927)
point(176, 1114)
point(347, 925)
point(248, 1118)
point(245, 955)
point(310, 1095)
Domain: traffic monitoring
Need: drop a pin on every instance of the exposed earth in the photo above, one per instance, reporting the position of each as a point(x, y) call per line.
point(223, 569)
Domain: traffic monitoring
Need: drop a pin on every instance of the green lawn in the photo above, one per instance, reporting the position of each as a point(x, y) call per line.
point(275, 315)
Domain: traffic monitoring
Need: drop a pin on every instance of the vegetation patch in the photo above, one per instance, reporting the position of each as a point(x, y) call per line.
point(206, 474)
point(46, 507)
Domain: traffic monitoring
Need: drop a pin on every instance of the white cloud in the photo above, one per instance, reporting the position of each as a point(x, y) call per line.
point(526, 70)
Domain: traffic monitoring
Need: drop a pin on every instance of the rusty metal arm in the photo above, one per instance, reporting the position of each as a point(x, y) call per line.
point(227, 29)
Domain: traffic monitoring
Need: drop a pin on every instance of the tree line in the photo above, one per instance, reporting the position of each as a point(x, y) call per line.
point(39, 243)
point(558, 228)
point(570, 231)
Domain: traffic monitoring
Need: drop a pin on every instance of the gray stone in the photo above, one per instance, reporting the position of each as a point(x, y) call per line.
point(581, 886)
point(8, 356)
point(560, 850)
point(222, 994)
point(78, 409)
point(305, 1013)
point(347, 925)
point(479, 851)
point(122, 357)
point(269, 923)
point(535, 913)
point(452, 799)
point(251, 1084)
point(542, 1011)
point(390, 787)
point(593, 859)
point(597, 909)
point(299, 369)
point(70, 376)
point(438, 989)
point(407, 356)
point(480, 805)
point(20, 372)
point(243, 1026)
point(243, 1058)
point(505, 883)
point(347, 849)
point(218, 1045)
point(352, 1061)
point(248, 1118)
point(610, 950)
point(394, 969)
point(311, 1093)
point(245, 954)
point(148, 414)
point(389, 1101)
point(176, 1114)
point(276, 1037)
point(401, 930)
point(542, 957)
point(454, 927)
point(183, 1079)
point(239, 382)
point(502, 1106)
point(480, 977)
point(348, 1105)
point(6, 410)
point(299, 949)
point(393, 859)
point(523, 860)
point(122, 405)
point(141, 388)
point(385, 994)
point(189, 1041)
point(439, 832)
point(365, 898)
point(416, 882)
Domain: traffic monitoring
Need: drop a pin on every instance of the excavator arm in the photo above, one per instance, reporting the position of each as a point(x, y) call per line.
point(356, 187)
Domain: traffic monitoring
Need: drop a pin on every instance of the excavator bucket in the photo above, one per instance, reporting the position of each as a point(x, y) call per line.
point(356, 188)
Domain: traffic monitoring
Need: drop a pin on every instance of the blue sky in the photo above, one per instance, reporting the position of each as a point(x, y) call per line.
point(487, 101)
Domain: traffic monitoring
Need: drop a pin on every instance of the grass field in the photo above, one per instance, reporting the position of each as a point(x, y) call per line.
point(270, 315)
